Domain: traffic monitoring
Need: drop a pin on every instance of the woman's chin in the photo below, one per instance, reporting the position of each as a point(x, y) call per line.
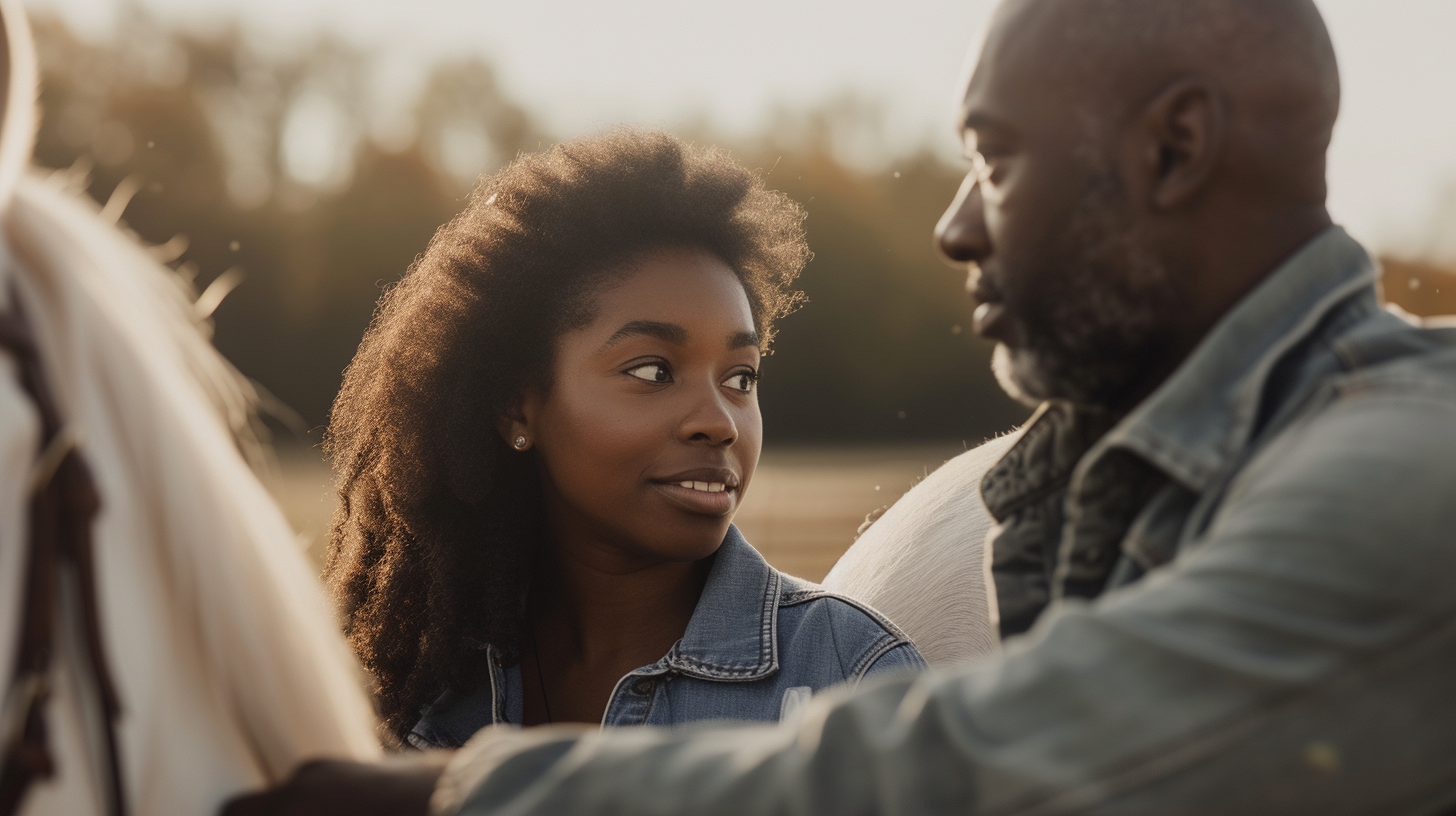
point(668, 533)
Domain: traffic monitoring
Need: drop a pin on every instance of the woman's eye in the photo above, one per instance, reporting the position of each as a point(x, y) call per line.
point(651, 372)
point(742, 381)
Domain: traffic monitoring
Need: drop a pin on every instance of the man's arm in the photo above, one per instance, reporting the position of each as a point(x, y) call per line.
point(1300, 660)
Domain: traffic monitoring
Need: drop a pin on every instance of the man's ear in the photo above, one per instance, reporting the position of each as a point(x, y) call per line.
point(1183, 131)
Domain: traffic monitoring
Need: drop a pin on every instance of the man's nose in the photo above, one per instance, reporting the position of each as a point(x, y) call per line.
point(961, 234)
point(710, 419)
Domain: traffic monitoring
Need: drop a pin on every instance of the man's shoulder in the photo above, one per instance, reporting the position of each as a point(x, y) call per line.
point(1412, 360)
point(1397, 348)
point(1394, 379)
point(1378, 443)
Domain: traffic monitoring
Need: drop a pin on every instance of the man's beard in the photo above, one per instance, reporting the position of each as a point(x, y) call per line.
point(1096, 311)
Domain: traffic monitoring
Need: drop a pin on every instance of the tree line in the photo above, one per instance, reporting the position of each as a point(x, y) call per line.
point(274, 171)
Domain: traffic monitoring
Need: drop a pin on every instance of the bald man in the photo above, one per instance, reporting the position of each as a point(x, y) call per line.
point(1142, 167)
point(1228, 533)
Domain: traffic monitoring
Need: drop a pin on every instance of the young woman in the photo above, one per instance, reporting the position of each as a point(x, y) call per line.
point(541, 445)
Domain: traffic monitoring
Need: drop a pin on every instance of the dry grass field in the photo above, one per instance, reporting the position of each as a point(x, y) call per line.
point(801, 511)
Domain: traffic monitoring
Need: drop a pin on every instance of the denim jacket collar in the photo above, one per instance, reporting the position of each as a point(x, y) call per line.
point(733, 633)
point(1196, 423)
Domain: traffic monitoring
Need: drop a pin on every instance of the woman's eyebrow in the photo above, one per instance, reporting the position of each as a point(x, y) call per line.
point(742, 340)
point(668, 332)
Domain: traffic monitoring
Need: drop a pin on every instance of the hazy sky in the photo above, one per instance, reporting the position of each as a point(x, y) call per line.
point(583, 64)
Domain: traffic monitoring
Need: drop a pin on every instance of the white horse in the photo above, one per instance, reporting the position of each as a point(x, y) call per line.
point(220, 644)
point(924, 563)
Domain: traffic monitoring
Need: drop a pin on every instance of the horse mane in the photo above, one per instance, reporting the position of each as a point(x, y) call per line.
point(228, 661)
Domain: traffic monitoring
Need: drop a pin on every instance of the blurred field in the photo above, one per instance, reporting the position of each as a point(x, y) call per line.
point(802, 509)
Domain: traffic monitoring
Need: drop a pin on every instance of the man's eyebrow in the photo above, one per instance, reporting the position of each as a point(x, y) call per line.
point(742, 340)
point(981, 120)
point(669, 332)
point(976, 116)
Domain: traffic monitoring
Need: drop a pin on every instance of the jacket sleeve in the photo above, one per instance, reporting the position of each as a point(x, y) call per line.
point(1300, 660)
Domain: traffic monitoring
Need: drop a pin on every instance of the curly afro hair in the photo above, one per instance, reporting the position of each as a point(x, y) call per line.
point(431, 546)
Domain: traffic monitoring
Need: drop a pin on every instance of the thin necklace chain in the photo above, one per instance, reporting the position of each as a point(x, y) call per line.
point(540, 678)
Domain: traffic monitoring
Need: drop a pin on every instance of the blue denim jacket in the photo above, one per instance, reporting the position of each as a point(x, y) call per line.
point(758, 645)
point(1258, 615)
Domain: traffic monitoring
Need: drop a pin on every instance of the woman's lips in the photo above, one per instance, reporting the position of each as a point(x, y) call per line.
point(710, 491)
point(702, 498)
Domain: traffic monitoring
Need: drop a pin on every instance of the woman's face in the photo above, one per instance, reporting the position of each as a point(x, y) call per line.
point(651, 430)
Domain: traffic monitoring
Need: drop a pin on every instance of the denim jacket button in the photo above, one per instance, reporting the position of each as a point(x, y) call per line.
point(643, 687)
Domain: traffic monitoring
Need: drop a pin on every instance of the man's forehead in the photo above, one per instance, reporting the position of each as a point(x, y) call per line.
point(1013, 69)
point(1045, 64)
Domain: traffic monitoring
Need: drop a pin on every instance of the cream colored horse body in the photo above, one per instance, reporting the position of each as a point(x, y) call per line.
point(225, 652)
point(924, 563)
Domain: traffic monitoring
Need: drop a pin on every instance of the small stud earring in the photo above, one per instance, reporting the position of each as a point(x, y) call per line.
point(519, 443)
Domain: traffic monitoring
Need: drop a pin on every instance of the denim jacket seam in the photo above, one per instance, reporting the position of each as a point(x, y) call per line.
point(805, 596)
point(692, 667)
point(768, 640)
point(881, 647)
point(651, 704)
point(1387, 383)
point(1387, 391)
point(497, 685)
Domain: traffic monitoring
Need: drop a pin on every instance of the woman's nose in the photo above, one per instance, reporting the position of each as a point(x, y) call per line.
point(710, 420)
point(961, 234)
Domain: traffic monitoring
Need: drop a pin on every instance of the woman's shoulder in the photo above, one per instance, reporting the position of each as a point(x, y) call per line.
point(862, 641)
point(817, 598)
point(755, 622)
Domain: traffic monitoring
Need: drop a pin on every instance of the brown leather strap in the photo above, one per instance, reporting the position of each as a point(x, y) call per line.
point(63, 508)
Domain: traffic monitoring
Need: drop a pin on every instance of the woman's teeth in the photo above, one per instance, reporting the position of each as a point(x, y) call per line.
point(706, 487)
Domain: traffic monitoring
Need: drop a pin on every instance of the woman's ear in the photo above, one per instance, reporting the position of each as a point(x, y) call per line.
point(1182, 134)
point(515, 424)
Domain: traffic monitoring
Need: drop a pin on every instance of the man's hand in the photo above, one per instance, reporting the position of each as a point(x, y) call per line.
point(327, 786)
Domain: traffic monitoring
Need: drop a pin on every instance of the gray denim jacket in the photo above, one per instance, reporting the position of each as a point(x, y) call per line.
point(1248, 605)
point(759, 643)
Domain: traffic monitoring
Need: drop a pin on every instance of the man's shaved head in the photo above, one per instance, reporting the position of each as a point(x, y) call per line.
point(1125, 145)
point(1272, 58)
point(1248, 39)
